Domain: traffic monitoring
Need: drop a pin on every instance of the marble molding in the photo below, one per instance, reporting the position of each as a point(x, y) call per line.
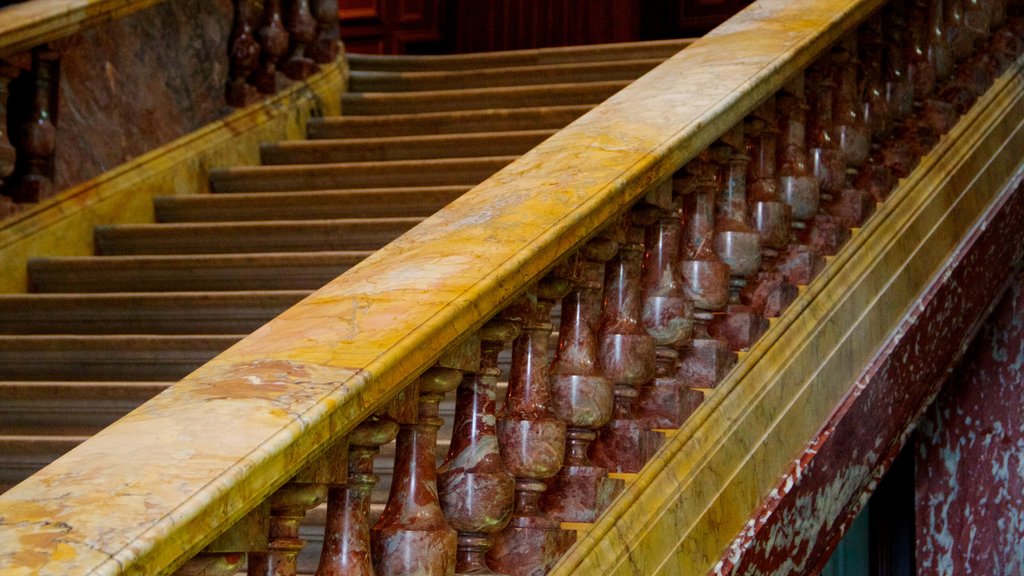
point(411, 537)
point(476, 490)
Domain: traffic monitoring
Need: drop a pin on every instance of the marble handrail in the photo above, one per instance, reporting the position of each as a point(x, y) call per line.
point(151, 490)
point(29, 24)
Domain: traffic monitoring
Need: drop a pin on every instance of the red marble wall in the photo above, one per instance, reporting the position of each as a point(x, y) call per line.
point(970, 456)
point(133, 84)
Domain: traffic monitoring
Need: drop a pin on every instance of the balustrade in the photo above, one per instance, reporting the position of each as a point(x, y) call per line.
point(656, 300)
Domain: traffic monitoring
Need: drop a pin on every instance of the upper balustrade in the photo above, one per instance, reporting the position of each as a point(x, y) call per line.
point(673, 224)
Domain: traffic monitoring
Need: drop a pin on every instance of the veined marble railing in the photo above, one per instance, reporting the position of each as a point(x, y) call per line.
point(696, 200)
point(292, 37)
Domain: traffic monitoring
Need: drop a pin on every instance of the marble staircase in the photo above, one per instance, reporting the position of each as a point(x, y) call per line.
point(99, 335)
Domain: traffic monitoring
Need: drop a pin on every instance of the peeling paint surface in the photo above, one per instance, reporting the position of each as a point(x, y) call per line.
point(800, 521)
point(970, 456)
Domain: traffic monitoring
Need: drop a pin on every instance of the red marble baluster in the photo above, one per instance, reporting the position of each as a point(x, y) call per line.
point(302, 33)
point(666, 401)
point(961, 40)
point(476, 489)
point(346, 550)
point(7, 151)
point(273, 39)
point(244, 56)
point(705, 360)
point(896, 153)
point(37, 135)
point(582, 396)
point(922, 73)
point(627, 355)
point(325, 47)
point(532, 442)
point(977, 19)
point(288, 507)
point(874, 176)
point(828, 163)
point(768, 292)
point(798, 188)
point(737, 243)
point(411, 536)
point(853, 205)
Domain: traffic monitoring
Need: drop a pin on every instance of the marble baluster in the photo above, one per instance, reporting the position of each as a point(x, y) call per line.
point(412, 537)
point(243, 56)
point(798, 187)
point(532, 443)
point(288, 507)
point(626, 352)
point(704, 361)
point(582, 396)
point(36, 139)
point(853, 205)
point(301, 33)
point(922, 73)
point(874, 176)
point(326, 44)
point(767, 292)
point(226, 555)
point(273, 40)
point(737, 242)
point(346, 549)
point(828, 163)
point(476, 490)
point(7, 150)
point(896, 153)
point(667, 400)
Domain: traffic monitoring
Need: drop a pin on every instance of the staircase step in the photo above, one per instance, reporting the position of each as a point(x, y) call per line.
point(142, 313)
point(472, 145)
point(495, 120)
point(377, 81)
point(69, 408)
point(397, 173)
point(202, 272)
point(244, 237)
point(368, 103)
point(122, 357)
point(22, 456)
point(307, 205)
point(534, 57)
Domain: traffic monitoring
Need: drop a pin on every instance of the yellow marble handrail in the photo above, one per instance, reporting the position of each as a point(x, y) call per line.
point(151, 490)
point(28, 24)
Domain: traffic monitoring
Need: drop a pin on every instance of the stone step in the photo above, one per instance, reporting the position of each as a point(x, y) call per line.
point(531, 57)
point(247, 237)
point(306, 205)
point(469, 121)
point(185, 273)
point(147, 358)
point(405, 81)
point(68, 408)
point(143, 313)
point(396, 173)
point(472, 145)
point(376, 103)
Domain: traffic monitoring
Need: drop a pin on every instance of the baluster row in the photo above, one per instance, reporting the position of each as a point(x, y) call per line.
point(652, 312)
point(292, 42)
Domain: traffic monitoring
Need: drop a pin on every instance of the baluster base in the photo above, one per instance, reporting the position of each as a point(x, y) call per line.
point(801, 264)
point(738, 327)
point(852, 208)
point(826, 234)
point(580, 493)
point(704, 363)
point(529, 546)
point(666, 401)
point(625, 445)
point(768, 294)
point(877, 180)
point(7, 207)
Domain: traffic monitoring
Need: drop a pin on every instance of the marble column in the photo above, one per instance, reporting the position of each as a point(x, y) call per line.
point(411, 537)
point(476, 489)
